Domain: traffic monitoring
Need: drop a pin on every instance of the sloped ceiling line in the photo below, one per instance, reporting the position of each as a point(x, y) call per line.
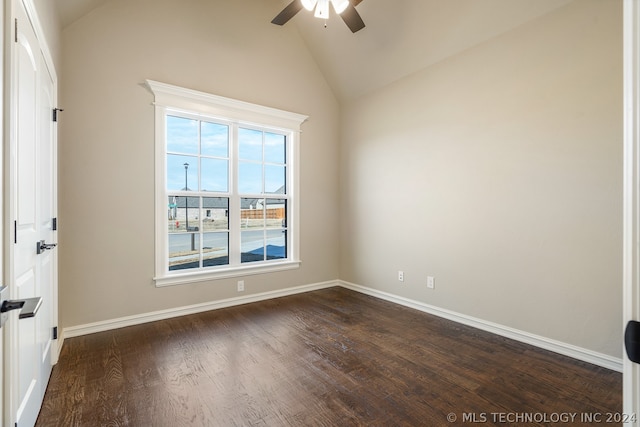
point(401, 36)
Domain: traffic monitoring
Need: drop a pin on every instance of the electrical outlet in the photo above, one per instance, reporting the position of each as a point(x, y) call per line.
point(401, 275)
point(240, 285)
point(431, 282)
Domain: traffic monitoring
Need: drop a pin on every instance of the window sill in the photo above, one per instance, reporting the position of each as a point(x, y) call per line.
point(181, 278)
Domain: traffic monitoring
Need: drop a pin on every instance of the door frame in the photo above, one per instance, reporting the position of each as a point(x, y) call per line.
point(3, 108)
point(8, 333)
point(631, 209)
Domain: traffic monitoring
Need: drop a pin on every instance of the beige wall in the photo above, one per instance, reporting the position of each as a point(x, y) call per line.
point(106, 143)
point(499, 172)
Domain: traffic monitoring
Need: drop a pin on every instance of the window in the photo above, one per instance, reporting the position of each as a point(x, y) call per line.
point(226, 187)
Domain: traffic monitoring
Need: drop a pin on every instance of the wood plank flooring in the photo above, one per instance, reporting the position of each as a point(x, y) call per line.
point(327, 358)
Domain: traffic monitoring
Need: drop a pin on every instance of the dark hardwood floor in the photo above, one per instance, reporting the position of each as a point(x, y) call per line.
point(327, 358)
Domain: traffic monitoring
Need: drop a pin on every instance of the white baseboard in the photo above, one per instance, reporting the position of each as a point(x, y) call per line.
point(570, 350)
point(138, 319)
point(575, 352)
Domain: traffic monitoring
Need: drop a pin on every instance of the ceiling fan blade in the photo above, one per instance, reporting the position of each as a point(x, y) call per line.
point(356, 2)
point(287, 13)
point(352, 18)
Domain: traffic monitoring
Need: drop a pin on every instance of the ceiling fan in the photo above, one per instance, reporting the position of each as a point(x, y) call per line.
point(345, 8)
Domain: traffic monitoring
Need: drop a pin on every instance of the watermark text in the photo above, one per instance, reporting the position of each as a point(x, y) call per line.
point(542, 417)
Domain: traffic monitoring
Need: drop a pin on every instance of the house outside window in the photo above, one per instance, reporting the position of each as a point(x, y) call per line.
point(226, 187)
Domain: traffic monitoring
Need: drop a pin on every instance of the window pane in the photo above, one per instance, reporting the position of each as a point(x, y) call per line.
point(183, 214)
point(250, 178)
point(215, 249)
point(215, 213)
point(250, 144)
point(274, 148)
point(214, 175)
point(214, 139)
point(176, 179)
point(276, 213)
point(252, 246)
point(274, 179)
point(182, 135)
point(252, 213)
point(276, 244)
point(184, 251)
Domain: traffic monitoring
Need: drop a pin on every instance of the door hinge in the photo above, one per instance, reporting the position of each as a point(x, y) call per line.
point(55, 113)
point(16, 30)
point(55, 332)
point(54, 224)
point(15, 231)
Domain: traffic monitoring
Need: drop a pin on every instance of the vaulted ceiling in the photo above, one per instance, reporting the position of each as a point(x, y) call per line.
point(401, 36)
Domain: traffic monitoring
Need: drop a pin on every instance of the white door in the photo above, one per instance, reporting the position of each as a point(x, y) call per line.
point(32, 185)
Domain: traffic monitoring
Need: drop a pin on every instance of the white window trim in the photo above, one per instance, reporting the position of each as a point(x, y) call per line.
point(171, 98)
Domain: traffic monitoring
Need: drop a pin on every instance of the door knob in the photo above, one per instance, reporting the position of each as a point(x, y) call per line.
point(28, 307)
point(632, 341)
point(41, 246)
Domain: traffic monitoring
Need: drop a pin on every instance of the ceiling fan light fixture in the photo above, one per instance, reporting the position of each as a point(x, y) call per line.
point(309, 4)
point(322, 9)
point(339, 5)
point(345, 8)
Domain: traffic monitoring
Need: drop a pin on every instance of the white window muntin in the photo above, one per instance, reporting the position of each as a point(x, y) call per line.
point(172, 100)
